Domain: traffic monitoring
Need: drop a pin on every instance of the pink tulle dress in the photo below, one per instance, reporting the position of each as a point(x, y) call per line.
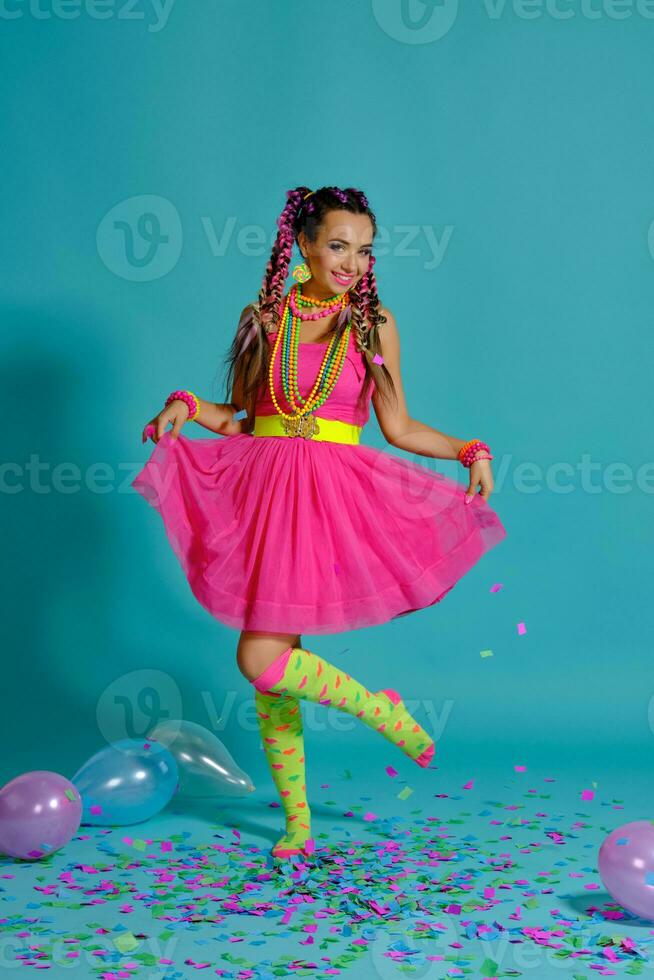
point(293, 535)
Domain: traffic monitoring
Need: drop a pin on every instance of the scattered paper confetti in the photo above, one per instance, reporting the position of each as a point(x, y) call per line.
point(486, 653)
point(445, 882)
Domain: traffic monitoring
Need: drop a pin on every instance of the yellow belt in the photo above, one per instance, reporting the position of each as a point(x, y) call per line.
point(329, 430)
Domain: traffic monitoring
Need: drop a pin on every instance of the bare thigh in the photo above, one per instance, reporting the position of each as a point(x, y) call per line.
point(257, 650)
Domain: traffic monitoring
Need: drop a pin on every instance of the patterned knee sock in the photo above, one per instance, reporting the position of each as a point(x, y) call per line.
point(305, 675)
point(282, 734)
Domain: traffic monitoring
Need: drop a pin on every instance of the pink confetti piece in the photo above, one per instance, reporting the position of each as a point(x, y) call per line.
point(96, 810)
point(522, 628)
point(390, 771)
point(496, 587)
point(520, 768)
point(468, 785)
point(370, 816)
point(588, 794)
point(378, 359)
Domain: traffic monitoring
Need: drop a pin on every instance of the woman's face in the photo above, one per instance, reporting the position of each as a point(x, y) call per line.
point(340, 254)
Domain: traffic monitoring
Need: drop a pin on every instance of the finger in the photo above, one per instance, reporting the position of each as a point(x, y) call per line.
point(486, 489)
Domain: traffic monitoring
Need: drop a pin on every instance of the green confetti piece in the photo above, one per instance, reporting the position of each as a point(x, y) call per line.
point(488, 968)
point(126, 942)
point(138, 844)
point(405, 793)
point(485, 653)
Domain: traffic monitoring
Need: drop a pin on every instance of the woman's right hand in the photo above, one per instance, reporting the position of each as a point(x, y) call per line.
point(177, 413)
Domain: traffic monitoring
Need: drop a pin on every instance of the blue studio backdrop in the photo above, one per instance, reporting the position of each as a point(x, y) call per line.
point(506, 150)
point(510, 176)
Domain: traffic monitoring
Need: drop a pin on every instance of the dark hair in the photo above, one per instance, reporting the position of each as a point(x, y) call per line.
point(249, 354)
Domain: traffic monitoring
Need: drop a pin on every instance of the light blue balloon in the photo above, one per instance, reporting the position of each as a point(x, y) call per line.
point(130, 781)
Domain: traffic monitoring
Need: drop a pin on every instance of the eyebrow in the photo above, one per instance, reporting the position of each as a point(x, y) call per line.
point(342, 240)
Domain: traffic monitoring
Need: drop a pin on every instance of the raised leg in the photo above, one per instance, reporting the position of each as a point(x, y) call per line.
point(303, 674)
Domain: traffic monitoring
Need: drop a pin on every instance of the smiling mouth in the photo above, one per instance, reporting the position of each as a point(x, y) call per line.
point(342, 278)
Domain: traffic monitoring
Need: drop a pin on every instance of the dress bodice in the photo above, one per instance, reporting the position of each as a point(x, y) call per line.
point(341, 404)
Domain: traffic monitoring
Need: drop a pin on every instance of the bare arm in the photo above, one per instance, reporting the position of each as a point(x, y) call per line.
point(217, 417)
point(397, 426)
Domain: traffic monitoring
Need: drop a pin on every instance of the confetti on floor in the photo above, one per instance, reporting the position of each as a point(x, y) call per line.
point(461, 886)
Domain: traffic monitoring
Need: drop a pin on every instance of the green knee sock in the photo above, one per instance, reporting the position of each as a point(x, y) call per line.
point(282, 735)
point(303, 674)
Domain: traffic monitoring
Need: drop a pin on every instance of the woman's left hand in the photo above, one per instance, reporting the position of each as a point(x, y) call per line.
point(481, 475)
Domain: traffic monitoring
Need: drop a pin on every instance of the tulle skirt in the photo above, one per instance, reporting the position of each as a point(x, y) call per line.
point(295, 535)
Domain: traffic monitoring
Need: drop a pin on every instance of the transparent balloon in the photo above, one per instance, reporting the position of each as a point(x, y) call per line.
point(126, 782)
point(206, 767)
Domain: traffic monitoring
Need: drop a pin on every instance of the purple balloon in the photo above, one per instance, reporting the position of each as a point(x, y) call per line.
point(39, 813)
point(626, 866)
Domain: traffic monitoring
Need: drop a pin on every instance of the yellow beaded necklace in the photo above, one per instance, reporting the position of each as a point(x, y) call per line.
point(302, 422)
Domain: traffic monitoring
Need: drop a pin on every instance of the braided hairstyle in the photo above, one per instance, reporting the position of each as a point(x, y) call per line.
point(249, 353)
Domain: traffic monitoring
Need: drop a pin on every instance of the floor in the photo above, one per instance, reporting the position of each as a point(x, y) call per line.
point(451, 871)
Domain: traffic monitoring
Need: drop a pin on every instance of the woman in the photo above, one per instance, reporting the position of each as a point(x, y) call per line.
point(290, 525)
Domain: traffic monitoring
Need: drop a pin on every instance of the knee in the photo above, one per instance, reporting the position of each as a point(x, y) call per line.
point(254, 655)
point(248, 663)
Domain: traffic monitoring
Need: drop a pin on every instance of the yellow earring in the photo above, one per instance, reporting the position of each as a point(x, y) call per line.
point(301, 272)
